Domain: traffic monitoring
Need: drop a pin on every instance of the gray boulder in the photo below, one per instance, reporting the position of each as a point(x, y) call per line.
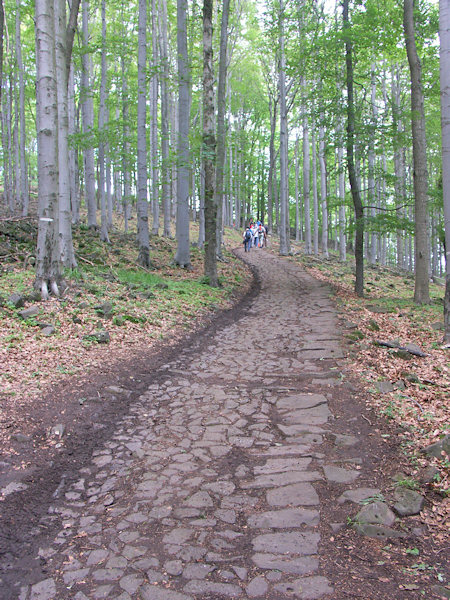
point(408, 502)
point(17, 300)
point(376, 513)
point(436, 450)
point(31, 311)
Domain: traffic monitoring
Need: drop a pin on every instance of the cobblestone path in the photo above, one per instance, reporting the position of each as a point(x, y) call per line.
point(207, 488)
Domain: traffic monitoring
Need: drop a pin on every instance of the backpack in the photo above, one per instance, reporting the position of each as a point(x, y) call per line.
point(248, 234)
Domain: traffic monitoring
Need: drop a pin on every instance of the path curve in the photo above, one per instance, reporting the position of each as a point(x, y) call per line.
point(208, 488)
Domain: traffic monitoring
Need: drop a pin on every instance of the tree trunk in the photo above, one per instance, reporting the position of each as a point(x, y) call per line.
point(209, 148)
point(221, 102)
point(154, 85)
point(323, 187)
point(284, 200)
point(73, 155)
point(270, 183)
point(356, 196)
point(420, 174)
point(297, 212)
point(444, 32)
point(306, 182)
point(126, 198)
point(142, 196)
point(102, 133)
point(88, 123)
point(47, 260)
point(182, 256)
point(315, 196)
point(372, 252)
point(23, 182)
point(165, 134)
point(65, 213)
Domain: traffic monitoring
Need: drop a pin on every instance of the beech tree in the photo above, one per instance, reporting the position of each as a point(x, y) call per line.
point(444, 32)
point(182, 257)
point(209, 148)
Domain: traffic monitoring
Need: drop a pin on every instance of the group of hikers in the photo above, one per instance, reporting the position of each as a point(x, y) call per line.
point(255, 235)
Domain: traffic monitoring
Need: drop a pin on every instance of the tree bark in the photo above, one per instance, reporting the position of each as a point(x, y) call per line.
point(142, 195)
point(221, 102)
point(209, 148)
point(102, 133)
point(65, 213)
point(88, 123)
point(154, 85)
point(323, 187)
point(420, 174)
point(444, 32)
point(47, 259)
point(165, 134)
point(23, 186)
point(182, 256)
point(356, 196)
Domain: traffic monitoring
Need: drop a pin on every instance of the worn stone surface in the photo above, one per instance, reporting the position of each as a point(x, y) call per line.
point(377, 513)
point(408, 502)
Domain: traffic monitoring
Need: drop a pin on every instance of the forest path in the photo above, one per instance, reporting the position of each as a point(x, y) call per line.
point(211, 486)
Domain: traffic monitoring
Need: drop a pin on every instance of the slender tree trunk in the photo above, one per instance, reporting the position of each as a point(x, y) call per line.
point(209, 147)
point(101, 126)
point(142, 196)
point(284, 200)
point(297, 212)
point(88, 123)
point(359, 212)
point(221, 102)
point(420, 175)
point(315, 196)
point(372, 252)
point(270, 185)
point(126, 198)
point(73, 162)
point(47, 260)
point(444, 32)
point(323, 187)
point(201, 217)
point(23, 186)
point(182, 256)
point(165, 134)
point(306, 183)
point(154, 85)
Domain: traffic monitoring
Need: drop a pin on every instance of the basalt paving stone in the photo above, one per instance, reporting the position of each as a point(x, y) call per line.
point(206, 489)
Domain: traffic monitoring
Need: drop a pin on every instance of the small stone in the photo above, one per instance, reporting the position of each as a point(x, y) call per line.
point(307, 588)
point(48, 331)
point(58, 430)
point(152, 592)
point(441, 591)
point(17, 300)
point(29, 312)
point(378, 531)
point(339, 475)
point(384, 387)
point(429, 474)
point(44, 590)
point(21, 437)
point(257, 587)
point(131, 583)
point(439, 448)
point(409, 502)
point(377, 513)
point(358, 495)
point(174, 567)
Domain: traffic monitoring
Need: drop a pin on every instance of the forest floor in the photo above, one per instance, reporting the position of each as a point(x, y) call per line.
point(62, 394)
